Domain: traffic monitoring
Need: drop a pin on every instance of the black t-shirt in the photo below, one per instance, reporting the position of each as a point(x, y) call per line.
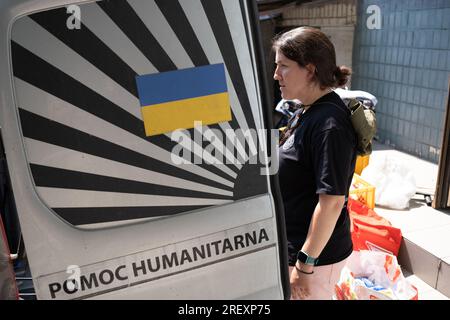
point(319, 158)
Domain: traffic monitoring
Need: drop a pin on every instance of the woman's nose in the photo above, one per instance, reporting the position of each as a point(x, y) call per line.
point(276, 76)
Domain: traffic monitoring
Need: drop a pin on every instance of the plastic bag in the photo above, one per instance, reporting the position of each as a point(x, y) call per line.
point(372, 232)
point(370, 275)
point(394, 181)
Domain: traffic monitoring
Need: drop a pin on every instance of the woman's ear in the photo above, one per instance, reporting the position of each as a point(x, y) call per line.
point(311, 70)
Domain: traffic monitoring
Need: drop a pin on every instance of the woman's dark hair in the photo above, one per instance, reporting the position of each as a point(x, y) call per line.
point(309, 45)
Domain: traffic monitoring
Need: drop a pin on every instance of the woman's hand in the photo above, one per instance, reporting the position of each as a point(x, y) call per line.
point(300, 281)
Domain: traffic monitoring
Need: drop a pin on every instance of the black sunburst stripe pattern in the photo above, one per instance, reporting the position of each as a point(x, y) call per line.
point(124, 75)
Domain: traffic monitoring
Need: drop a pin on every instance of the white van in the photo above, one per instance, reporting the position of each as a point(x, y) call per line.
point(114, 201)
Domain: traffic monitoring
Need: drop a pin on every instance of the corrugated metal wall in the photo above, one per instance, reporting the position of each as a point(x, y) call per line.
point(406, 65)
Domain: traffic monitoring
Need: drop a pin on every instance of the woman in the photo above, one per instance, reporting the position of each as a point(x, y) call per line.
point(317, 161)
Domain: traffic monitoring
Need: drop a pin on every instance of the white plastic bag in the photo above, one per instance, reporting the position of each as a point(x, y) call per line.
point(372, 275)
point(394, 182)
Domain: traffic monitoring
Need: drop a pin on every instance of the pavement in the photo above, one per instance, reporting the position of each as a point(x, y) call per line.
point(425, 251)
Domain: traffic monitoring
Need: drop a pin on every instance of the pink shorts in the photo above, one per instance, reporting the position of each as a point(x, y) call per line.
point(323, 280)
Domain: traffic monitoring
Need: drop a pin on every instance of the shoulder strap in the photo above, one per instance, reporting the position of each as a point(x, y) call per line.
point(364, 123)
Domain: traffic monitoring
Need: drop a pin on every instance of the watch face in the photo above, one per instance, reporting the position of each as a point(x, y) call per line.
point(302, 257)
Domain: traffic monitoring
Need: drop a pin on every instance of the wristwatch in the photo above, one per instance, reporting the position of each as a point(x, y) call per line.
point(305, 259)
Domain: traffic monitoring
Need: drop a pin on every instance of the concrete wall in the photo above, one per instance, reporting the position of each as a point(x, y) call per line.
point(406, 65)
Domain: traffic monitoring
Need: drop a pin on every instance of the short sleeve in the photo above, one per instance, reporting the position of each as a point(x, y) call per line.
point(332, 155)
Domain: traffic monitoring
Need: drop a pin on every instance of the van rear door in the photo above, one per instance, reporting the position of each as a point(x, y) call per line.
point(134, 134)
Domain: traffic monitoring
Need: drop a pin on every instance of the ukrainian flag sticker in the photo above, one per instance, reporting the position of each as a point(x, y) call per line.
point(176, 99)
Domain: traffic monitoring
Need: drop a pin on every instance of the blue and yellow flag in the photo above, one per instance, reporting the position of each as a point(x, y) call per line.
point(176, 99)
